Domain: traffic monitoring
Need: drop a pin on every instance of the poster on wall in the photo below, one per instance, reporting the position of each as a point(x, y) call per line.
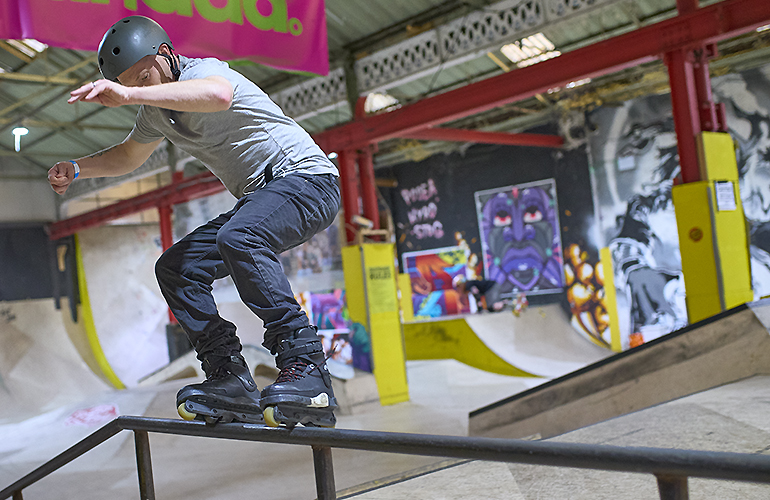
point(434, 275)
point(328, 311)
point(520, 238)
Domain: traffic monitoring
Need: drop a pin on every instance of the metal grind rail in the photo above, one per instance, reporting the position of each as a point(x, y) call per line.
point(671, 467)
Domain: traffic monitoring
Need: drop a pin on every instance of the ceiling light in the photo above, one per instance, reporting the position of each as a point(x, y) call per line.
point(332, 155)
point(29, 47)
point(17, 133)
point(377, 102)
point(572, 85)
point(763, 28)
point(530, 50)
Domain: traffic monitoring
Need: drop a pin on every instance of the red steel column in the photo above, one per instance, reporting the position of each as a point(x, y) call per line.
point(368, 189)
point(350, 191)
point(684, 102)
point(166, 238)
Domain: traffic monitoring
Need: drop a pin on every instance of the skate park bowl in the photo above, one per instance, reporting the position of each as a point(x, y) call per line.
point(725, 348)
point(538, 343)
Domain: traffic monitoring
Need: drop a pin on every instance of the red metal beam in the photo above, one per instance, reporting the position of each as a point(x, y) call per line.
point(709, 24)
point(460, 135)
point(195, 187)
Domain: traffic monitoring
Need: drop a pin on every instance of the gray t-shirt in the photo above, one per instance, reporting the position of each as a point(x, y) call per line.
point(239, 143)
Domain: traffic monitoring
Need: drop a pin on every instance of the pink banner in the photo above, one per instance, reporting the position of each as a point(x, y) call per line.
point(284, 34)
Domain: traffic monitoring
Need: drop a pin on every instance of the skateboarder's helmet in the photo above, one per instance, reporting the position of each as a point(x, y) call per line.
point(128, 41)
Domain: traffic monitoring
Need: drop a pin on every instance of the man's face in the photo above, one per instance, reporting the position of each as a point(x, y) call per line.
point(147, 71)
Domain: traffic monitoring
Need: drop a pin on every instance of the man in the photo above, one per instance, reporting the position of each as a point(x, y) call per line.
point(287, 191)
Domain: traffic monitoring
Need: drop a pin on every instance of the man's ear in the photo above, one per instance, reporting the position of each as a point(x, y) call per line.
point(165, 49)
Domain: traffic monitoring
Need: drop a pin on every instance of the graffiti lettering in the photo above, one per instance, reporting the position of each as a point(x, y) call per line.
point(423, 192)
point(434, 230)
point(427, 212)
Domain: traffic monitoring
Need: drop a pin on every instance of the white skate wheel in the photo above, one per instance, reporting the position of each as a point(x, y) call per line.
point(269, 415)
point(186, 415)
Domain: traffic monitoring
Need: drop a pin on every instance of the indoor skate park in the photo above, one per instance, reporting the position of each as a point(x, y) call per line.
point(601, 162)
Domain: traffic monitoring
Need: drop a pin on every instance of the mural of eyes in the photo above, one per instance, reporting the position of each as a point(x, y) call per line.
point(502, 219)
point(532, 214)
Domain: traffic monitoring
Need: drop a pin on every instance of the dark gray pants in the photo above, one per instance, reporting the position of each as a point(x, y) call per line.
point(244, 243)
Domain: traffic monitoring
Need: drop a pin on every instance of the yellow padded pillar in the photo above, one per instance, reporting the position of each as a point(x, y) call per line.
point(370, 283)
point(713, 237)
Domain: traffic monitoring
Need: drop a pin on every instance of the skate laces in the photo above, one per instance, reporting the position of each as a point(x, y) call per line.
point(298, 369)
point(292, 372)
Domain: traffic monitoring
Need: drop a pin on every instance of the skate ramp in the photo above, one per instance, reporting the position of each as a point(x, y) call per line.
point(540, 342)
point(726, 348)
point(730, 418)
point(41, 368)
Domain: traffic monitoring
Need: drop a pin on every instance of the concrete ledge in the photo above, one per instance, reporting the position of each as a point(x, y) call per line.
point(728, 347)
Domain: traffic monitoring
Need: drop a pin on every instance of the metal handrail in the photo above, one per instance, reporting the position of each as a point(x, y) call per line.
point(671, 467)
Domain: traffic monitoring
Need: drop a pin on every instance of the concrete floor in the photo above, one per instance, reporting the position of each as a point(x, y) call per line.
point(190, 468)
point(730, 418)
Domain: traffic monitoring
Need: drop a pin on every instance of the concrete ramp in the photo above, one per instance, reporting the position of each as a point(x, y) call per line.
point(540, 342)
point(726, 348)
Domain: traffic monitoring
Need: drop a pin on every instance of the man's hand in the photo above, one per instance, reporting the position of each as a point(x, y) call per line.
point(104, 92)
point(61, 175)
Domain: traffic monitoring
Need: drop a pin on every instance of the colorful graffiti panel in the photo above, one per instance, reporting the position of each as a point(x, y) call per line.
point(520, 238)
point(434, 275)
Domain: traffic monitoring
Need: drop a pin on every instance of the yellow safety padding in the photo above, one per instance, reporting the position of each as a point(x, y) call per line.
point(371, 291)
point(697, 246)
point(87, 319)
point(716, 157)
point(455, 339)
point(405, 288)
point(610, 298)
point(352, 268)
point(732, 242)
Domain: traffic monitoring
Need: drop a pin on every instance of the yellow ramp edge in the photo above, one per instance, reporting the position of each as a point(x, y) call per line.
point(454, 339)
point(103, 368)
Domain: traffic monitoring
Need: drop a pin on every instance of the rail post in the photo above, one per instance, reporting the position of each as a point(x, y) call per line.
point(672, 487)
point(144, 465)
point(324, 473)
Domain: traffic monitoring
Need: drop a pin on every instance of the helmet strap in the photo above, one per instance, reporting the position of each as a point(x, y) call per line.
point(173, 63)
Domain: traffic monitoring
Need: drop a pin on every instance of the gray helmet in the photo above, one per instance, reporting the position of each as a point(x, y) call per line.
point(127, 41)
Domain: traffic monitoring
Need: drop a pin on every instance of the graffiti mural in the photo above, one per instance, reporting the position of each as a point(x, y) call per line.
point(747, 101)
point(636, 161)
point(520, 238)
point(422, 211)
point(433, 274)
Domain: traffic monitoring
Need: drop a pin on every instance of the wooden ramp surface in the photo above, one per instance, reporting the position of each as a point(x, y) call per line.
point(726, 348)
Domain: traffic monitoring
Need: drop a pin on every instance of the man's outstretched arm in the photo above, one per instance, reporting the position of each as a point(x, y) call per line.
point(203, 95)
point(116, 160)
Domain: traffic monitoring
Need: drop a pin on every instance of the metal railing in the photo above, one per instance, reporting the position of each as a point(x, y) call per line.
point(671, 467)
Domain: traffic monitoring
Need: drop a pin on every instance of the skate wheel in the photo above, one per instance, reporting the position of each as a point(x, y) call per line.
point(186, 415)
point(269, 415)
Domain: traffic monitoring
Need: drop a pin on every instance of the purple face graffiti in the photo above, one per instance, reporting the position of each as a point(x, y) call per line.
point(520, 229)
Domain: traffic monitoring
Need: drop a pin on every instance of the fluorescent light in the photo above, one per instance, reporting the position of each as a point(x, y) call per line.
point(377, 101)
point(29, 46)
point(17, 133)
point(572, 85)
point(530, 50)
point(763, 28)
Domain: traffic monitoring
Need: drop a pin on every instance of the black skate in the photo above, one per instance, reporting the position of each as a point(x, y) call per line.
point(302, 393)
point(228, 394)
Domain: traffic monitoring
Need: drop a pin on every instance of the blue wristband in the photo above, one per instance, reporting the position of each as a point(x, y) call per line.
point(77, 168)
